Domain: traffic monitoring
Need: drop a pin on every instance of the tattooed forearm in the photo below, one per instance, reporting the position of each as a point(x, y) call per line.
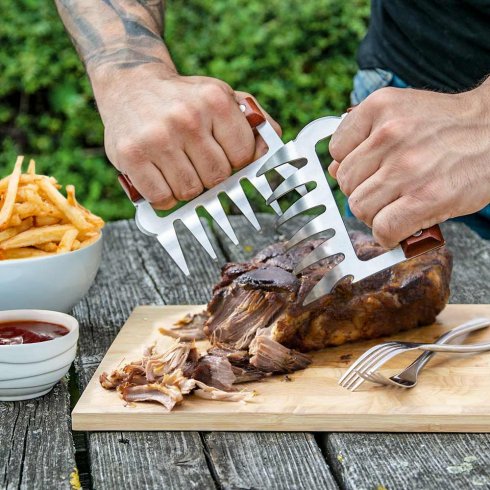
point(116, 33)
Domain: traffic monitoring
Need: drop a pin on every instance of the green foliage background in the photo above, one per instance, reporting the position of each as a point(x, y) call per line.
point(296, 56)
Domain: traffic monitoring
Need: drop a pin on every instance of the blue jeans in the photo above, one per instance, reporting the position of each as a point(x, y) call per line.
point(365, 83)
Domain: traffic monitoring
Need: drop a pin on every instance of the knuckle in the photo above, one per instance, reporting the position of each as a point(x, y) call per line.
point(130, 151)
point(334, 147)
point(216, 94)
point(217, 176)
point(189, 187)
point(382, 231)
point(343, 181)
point(185, 117)
point(154, 193)
point(356, 208)
point(242, 155)
point(381, 98)
point(189, 193)
point(387, 132)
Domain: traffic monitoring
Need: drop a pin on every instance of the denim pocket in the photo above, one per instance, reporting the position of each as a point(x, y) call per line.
point(368, 81)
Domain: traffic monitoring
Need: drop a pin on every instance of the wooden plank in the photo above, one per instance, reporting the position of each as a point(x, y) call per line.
point(366, 469)
point(268, 461)
point(36, 449)
point(410, 461)
point(313, 400)
point(136, 271)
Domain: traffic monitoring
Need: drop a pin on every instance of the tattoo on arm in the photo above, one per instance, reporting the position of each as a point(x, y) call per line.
point(119, 33)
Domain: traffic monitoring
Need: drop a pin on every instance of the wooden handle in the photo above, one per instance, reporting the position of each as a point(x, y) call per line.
point(129, 188)
point(422, 242)
point(252, 112)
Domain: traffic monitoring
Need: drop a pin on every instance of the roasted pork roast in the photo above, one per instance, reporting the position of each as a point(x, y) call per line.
point(263, 298)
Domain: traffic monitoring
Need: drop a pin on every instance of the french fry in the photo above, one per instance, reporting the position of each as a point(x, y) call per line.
point(91, 218)
point(37, 220)
point(35, 236)
point(50, 247)
point(15, 230)
point(8, 204)
point(15, 220)
point(22, 253)
point(89, 241)
point(73, 214)
point(66, 242)
point(26, 179)
point(31, 169)
point(46, 220)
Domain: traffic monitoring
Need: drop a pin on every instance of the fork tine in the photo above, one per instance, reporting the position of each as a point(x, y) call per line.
point(287, 170)
point(381, 360)
point(365, 366)
point(354, 366)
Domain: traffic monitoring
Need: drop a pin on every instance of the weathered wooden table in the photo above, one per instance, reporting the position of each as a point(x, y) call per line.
point(39, 450)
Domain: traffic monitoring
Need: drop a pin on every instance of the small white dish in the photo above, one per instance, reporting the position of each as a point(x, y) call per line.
point(31, 370)
point(54, 282)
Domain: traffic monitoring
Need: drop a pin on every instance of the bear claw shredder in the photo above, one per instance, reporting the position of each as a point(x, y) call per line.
point(163, 228)
point(329, 220)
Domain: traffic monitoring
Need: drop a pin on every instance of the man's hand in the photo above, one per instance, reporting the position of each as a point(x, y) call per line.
point(174, 136)
point(409, 159)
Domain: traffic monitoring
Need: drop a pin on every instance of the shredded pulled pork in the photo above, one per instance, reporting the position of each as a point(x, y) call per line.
point(166, 378)
point(188, 328)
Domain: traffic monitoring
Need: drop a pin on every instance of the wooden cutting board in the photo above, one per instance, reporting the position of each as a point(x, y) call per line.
point(453, 394)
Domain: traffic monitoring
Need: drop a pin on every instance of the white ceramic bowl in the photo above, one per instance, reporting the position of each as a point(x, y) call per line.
point(55, 282)
point(31, 370)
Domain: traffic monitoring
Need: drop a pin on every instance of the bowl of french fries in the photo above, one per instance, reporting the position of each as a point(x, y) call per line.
point(50, 245)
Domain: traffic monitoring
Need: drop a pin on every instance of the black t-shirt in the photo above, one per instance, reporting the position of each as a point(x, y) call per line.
point(439, 45)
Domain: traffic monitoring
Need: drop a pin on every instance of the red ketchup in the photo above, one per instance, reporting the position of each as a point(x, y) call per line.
point(29, 332)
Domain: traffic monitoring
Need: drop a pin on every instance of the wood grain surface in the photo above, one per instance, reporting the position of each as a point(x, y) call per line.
point(451, 397)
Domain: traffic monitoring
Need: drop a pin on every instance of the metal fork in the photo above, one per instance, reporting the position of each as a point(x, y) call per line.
point(409, 376)
point(380, 354)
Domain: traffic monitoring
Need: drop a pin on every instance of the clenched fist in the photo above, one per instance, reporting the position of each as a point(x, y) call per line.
point(174, 136)
point(409, 159)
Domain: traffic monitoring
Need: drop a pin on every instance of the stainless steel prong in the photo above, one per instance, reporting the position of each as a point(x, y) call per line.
point(215, 209)
point(297, 179)
point(321, 252)
point(194, 225)
point(238, 196)
point(170, 243)
point(312, 228)
point(305, 203)
point(326, 284)
point(288, 153)
point(262, 185)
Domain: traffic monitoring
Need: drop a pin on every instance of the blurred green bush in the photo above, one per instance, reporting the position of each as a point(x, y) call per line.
point(296, 56)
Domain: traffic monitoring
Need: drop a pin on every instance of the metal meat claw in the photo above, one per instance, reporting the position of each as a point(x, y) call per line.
point(163, 227)
point(329, 220)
